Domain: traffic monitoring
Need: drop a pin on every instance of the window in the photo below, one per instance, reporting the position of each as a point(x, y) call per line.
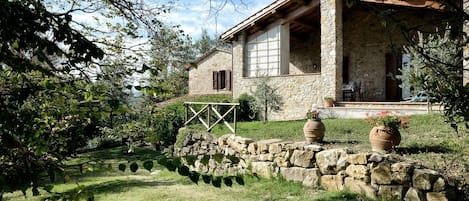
point(264, 53)
point(222, 80)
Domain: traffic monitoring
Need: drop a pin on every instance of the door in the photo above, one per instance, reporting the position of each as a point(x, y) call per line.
point(393, 64)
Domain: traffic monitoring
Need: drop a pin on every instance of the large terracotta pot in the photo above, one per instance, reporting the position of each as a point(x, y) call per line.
point(314, 130)
point(383, 139)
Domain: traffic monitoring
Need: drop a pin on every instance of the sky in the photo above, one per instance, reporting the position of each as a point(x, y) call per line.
point(196, 15)
point(193, 16)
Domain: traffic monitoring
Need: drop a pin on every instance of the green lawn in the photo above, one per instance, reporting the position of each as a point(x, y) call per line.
point(429, 140)
point(161, 184)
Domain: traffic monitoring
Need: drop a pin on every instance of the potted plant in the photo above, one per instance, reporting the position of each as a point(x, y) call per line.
point(385, 134)
point(329, 101)
point(313, 129)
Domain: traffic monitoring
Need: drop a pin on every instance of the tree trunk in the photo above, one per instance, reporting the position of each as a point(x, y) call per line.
point(265, 111)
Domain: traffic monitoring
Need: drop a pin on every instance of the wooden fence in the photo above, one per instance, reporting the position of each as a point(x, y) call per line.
point(206, 111)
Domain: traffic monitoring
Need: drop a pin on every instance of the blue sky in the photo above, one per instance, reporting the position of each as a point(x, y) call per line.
point(195, 15)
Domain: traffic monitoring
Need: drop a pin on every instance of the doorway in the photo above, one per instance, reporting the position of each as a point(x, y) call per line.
point(393, 64)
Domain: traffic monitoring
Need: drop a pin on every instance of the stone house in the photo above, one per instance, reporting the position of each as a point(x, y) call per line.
point(211, 73)
point(312, 49)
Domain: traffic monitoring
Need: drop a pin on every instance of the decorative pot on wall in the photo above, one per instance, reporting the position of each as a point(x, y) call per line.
point(383, 139)
point(314, 130)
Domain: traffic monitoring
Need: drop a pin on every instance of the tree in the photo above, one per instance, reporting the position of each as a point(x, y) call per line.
point(267, 98)
point(436, 55)
point(171, 52)
point(50, 102)
point(207, 43)
point(48, 106)
point(442, 58)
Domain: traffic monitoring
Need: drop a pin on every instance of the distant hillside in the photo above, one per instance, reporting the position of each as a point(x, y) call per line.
point(196, 98)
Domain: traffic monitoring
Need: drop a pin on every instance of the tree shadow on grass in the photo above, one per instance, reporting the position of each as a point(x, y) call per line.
point(120, 185)
point(120, 154)
point(332, 142)
point(343, 195)
point(417, 149)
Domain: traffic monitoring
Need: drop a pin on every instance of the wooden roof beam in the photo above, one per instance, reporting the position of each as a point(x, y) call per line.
point(304, 25)
point(410, 3)
point(300, 11)
point(290, 17)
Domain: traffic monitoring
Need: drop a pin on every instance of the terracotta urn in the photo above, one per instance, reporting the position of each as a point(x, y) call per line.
point(314, 130)
point(383, 139)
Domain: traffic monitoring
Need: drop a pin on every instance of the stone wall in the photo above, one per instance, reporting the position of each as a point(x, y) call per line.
point(298, 94)
point(368, 38)
point(332, 47)
point(200, 77)
point(305, 53)
point(370, 174)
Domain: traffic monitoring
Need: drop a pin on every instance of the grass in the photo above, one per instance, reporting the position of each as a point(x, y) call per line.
point(164, 185)
point(429, 140)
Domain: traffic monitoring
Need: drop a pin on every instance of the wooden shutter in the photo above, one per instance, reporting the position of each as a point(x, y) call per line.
point(215, 79)
point(221, 79)
point(228, 80)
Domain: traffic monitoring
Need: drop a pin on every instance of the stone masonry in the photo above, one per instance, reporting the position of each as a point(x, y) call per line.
point(354, 33)
point(200, 77)
point(331, 47)
point(370, 174)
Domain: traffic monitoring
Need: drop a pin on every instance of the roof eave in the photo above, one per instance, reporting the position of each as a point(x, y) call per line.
point(250, 21)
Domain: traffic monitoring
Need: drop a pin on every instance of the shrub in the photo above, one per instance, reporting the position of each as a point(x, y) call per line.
point(246, 112)
point(166, 121)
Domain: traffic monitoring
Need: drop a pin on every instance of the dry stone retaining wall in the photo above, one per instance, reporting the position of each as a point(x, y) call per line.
point(370, 174)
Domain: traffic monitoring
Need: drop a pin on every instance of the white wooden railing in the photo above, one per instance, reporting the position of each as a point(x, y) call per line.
point(208, 110)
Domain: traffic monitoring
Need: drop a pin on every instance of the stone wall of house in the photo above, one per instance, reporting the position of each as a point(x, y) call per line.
point(331, 47)
point(305, 54)
point(366, 50)
point(370, 174)
point(200, 77)
point(359, 35)
point(298, 94)
point(367, 41)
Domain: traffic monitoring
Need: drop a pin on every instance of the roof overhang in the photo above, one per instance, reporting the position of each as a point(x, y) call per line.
point(250, 21)
point(278, 9)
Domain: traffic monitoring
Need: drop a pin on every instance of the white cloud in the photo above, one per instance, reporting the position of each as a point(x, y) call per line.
point(195, 15)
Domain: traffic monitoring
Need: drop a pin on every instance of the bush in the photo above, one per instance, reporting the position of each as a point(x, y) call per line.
point(245, 108)
point(165, 123)
point(168, 120)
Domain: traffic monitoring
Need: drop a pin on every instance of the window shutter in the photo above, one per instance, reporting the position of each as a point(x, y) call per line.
point(221, 79)
point(228, 80)
point(215, 79)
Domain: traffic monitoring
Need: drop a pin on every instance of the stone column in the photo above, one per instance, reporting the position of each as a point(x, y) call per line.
point(238, 52)
point(466, 48)
point(331, 48)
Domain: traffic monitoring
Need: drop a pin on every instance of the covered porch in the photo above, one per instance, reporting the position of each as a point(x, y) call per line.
point(312, 49)
point(353, 109)
point(353, 50)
